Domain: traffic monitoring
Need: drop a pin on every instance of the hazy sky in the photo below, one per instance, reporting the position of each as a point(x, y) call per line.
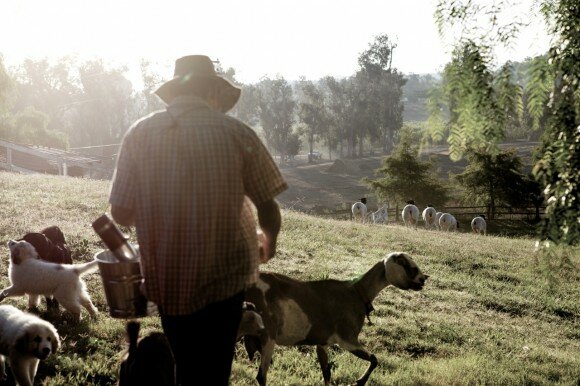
point(312, 38)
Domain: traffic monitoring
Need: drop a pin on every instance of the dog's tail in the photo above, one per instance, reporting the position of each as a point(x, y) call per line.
point(81, 269)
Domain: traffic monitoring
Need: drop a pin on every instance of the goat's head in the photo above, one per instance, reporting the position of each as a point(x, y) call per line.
point(402, 272)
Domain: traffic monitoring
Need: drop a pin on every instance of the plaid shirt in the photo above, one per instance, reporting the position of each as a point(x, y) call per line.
point(186, 173)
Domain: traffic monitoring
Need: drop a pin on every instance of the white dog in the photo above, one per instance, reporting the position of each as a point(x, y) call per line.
point(35, 277)
point(25, 339)
point(381, 216)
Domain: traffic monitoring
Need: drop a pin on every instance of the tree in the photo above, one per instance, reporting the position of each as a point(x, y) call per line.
point(277, 105)
point(6, 86)
point(494, 180)
point(382, 88)
point(50, 88)
point(151, 81)
point(293, 145)
point(107, 106)
point(404, 177)
point(335, 95)
point(312, 112)
point(558, 169)
point(247, 109)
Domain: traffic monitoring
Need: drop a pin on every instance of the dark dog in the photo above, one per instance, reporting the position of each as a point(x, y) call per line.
point(148, 361)
point(50, 245)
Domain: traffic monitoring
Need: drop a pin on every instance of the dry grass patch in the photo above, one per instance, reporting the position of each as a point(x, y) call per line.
point(487, 315)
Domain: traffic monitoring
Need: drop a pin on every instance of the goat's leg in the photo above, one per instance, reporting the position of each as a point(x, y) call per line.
point(252, 345)
point(33, 302)
point(322, 352)
point(363, 354)
point(265, 360)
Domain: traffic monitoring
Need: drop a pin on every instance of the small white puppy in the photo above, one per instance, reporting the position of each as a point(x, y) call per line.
point(25, 339)
point(35, 277)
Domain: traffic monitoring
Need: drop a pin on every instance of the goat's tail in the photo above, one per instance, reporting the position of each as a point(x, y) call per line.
point(81, 269)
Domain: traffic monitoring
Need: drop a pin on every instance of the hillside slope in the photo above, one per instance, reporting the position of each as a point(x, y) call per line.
point(486, 316)
point(332, 183)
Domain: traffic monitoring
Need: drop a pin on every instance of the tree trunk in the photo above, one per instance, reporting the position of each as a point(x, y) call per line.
point(492, 200)
point(311, 147)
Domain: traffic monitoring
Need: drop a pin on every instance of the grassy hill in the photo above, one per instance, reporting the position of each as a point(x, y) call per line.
point(488, 315)
point(331, 183)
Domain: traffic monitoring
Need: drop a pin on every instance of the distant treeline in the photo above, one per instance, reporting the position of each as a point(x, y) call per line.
point(75, 104)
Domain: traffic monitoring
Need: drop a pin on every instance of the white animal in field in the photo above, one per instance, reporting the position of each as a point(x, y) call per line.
point(410, 215)
point(359, 211)
point(437, 217)
point(429, 214)
point(25, 339)
point(448, 222)
point(478, 224)
point(381, 216)
point(30, 275)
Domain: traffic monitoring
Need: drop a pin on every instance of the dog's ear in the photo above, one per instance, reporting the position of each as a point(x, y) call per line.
point(15, 253)
point(54, 340)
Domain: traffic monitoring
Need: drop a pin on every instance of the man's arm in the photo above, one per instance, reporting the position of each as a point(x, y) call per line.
point(270, 221)
point(123, 216)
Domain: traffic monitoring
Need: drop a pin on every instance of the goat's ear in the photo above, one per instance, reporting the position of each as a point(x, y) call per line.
point(426, 276)
point(400, 259)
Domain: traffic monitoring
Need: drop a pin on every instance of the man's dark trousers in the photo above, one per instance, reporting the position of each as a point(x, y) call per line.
point(203, 343)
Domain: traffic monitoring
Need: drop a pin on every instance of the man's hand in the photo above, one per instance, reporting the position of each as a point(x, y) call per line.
point(270, 221)
point(123, 216)
point(267, 247)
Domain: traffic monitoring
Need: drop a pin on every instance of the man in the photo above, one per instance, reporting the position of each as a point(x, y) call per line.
point(183, 178)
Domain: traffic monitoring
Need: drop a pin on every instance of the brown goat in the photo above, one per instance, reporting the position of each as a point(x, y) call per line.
point(324, 312)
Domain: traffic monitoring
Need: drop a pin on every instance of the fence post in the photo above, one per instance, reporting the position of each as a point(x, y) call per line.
point(396, 212)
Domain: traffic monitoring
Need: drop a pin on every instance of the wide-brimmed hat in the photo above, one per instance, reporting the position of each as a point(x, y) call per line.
point(193, 69)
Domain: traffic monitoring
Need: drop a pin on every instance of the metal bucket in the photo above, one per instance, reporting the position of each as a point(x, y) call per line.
point(122, 281)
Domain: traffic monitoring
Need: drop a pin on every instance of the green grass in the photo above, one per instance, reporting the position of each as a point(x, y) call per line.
point(488, 314)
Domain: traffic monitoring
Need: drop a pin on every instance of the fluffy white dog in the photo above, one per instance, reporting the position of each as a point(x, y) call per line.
point(35, 277)
point(25, 339)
